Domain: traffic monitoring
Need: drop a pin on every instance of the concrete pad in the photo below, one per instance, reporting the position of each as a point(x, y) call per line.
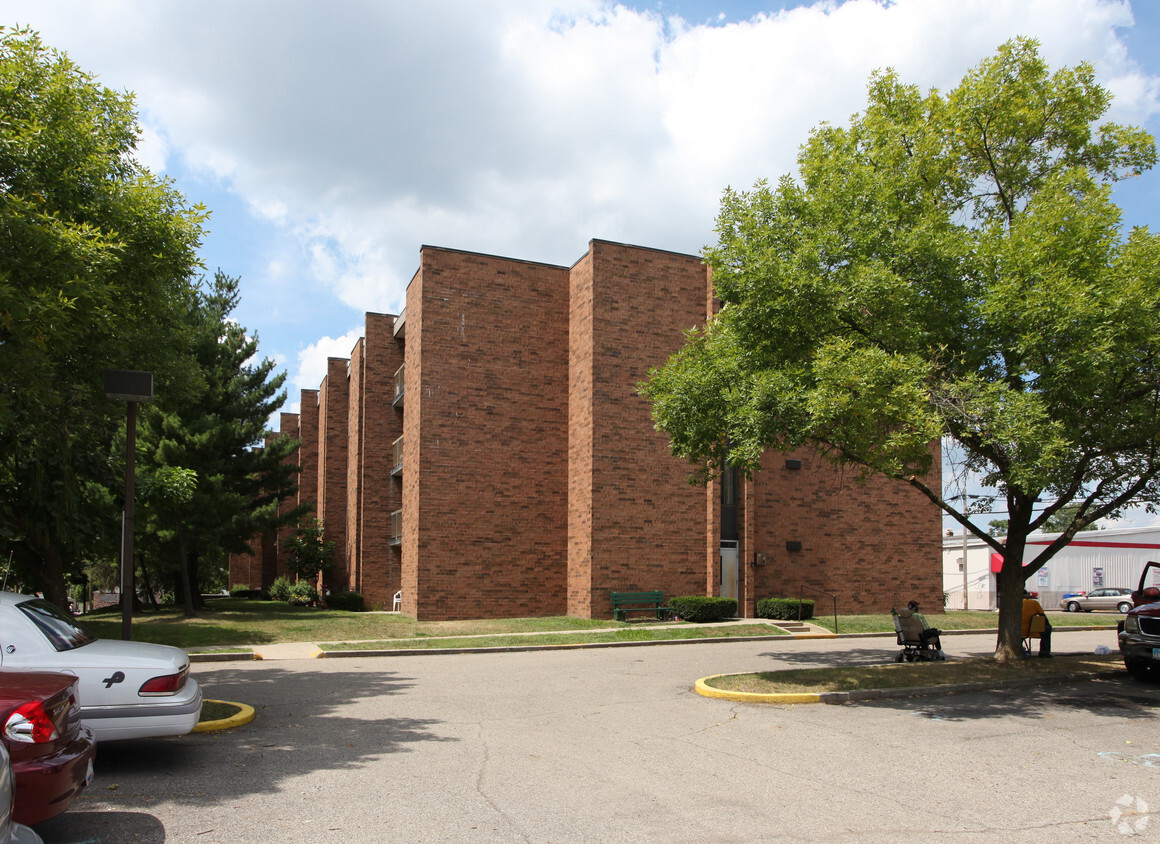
point(290, 650)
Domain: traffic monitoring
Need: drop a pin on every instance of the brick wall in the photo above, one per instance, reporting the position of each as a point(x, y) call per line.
point(533, 481)
point(354, 457)
point(372, 492)
point(874, 544)
point(492, 422)
point(333, 430)
point(308, 451)
point(580, 442)
point(647, 522)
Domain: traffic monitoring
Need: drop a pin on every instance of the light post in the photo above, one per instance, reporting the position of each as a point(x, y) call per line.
point(130, 386)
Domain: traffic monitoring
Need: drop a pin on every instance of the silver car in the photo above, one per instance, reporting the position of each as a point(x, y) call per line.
point(127, 689)
point(10, 831)
point(1109, 598)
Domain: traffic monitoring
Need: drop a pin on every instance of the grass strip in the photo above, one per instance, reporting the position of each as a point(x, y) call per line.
point(908, 674)
point(218, 710)
point(556, 639)
point(883, 623)
point(235, 622)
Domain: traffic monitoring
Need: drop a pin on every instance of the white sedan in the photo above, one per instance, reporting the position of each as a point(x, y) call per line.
point(127, 689)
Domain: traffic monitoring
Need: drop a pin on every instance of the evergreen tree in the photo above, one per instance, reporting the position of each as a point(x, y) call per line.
point(216, 428)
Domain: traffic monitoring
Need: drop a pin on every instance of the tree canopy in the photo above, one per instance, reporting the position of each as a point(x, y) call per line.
point(99, 269)
point(945, 266)
point(96, 266)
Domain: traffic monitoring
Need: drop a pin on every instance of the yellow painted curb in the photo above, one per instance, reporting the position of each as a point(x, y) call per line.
point(703, 688)
point(244, 716)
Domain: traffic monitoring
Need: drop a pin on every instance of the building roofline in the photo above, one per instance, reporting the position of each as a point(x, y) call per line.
point(490, 255)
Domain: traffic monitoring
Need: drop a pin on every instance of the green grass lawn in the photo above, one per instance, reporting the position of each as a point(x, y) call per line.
point(240, 622)
point(639, 634)
point(882, 623)
point(910, 674)
point(233, 623)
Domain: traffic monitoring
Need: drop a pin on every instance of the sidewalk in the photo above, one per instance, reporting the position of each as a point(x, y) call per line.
point(791, 630)
point(312, 650)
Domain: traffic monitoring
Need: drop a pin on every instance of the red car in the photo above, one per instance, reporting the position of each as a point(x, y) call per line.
point(1139, 632)
point(52, 752)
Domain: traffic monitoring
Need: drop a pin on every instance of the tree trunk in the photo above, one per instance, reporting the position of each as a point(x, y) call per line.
point(1012, 581)
point(186, 583)
point(195, 580)
point(149, 590)
point(50, 573)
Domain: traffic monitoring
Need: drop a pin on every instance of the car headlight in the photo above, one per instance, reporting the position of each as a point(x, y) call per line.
point(1132, 624)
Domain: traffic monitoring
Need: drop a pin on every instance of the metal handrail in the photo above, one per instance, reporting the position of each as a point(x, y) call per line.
point(802, 587)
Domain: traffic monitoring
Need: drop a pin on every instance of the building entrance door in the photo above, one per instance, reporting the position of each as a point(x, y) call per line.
point(729, 569)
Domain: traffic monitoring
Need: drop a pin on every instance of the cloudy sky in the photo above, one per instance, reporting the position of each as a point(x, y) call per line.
point(332, 140)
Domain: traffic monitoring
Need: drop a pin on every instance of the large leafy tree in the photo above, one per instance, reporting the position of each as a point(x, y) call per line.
point(97, 257)
point(215, 428)
point(946, 266)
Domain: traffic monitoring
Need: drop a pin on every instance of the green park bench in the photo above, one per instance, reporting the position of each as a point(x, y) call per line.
point(626, 602)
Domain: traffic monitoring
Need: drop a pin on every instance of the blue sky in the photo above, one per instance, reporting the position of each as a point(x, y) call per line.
point(332, 140)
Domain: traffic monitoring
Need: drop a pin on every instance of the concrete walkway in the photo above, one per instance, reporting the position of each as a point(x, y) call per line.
point(311, 650)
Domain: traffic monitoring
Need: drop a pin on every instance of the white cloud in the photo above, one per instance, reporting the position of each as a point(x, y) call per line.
point(312, 359)
point(361, 130)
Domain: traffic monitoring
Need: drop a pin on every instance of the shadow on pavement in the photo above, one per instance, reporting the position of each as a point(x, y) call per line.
point(102, 828)
point(296, 732)
point(1115, 697)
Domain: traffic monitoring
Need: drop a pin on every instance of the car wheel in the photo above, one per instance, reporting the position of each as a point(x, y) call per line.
point(1124, 607)
point(1143, 671)
point(1072, 606)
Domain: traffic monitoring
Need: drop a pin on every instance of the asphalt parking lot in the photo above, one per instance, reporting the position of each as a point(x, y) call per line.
point(612, 745)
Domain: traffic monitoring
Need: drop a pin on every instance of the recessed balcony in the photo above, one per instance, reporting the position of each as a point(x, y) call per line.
point(397, 401)
point(397, 527)
point(397, 465)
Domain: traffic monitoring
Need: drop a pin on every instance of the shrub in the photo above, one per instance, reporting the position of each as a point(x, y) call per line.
point(302, 594)
point(703, 607)
point(785, 609)
point(240, 590)
point(347, 601)
point(280, 589)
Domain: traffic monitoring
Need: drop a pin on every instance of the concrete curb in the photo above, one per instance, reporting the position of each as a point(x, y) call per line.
point(702, 688)
point(244, 716)
point(220, 657)
point(569, 647)
point(303, 650)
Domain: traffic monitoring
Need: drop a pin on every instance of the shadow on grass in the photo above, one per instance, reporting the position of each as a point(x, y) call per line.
point(306, 722)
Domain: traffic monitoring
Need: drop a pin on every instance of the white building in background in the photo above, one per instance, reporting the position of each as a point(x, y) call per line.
point(1093, 559)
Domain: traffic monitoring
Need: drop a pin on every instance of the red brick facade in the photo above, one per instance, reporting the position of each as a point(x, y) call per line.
point(532, 481)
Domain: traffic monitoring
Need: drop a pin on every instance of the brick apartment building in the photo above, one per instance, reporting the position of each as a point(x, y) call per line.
point(487, 453)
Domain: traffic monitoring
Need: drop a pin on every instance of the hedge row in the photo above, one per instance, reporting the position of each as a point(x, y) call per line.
point(703, 607)
point(785, 609)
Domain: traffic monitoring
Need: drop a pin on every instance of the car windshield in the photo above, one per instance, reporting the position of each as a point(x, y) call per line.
point(57, 626)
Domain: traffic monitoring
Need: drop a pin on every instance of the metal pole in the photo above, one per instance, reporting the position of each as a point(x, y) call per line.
point(127, 529)
point(965, 607)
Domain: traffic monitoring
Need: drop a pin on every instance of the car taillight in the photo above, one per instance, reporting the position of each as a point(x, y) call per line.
point(30, 723)
point(170, 684)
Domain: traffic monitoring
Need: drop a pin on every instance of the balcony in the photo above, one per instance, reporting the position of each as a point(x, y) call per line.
point(397, 527)
point(397, 465)
point(397, 401)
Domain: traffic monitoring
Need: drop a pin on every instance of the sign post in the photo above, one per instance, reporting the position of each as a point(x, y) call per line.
point(129, 386)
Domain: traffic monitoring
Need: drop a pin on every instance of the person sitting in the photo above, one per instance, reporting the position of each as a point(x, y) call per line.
point(1032, 608)
point(929, 634)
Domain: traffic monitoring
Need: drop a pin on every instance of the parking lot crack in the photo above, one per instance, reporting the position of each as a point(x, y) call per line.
point(480, 784)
